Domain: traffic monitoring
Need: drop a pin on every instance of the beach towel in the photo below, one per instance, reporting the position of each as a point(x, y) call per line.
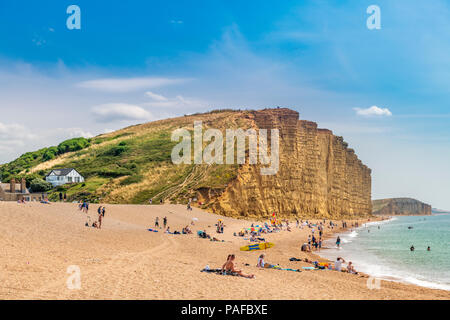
point(153, 230)
point(219, 272)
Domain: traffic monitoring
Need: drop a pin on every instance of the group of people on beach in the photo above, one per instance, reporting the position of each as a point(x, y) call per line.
point(220, 225)
point(84, 206)
point(150, 201)
point(101, 210)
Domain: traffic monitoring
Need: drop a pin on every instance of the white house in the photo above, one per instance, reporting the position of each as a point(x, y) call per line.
point(58, 177)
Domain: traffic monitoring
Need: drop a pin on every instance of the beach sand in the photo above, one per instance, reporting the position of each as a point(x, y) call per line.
point(125, 261)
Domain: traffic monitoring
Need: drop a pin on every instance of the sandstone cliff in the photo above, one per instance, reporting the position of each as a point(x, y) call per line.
point(400, 206)
point(319, 176)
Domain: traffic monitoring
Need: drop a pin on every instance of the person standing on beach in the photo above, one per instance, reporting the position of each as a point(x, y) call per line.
point(338, 242)
point(157, 222)
point(103, 211)
point(99, 210)
point(100, 220)
point(165, 222)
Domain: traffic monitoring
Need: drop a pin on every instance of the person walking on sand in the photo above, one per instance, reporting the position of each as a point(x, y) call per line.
point(338, 242)
point(99, 210)
point(157, 222)
point(103, 211)
point(165, 222)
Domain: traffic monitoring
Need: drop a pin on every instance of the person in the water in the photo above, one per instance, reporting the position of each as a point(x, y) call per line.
point(412, 248)
point(428, 249)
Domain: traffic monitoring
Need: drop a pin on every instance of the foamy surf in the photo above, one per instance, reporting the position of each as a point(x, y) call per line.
point(383, 251)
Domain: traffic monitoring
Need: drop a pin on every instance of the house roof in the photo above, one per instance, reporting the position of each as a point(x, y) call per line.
point(61, 172)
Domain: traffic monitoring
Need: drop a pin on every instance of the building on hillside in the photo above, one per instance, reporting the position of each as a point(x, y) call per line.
point(14, 191)
point(58, 177)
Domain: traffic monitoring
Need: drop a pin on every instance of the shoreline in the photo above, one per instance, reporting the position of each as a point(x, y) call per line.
point(390, 277)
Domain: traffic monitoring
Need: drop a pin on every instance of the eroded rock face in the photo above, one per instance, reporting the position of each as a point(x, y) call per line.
point(319, 176)
point(400, 206)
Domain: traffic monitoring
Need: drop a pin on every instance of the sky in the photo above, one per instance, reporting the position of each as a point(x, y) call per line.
point(386, 90)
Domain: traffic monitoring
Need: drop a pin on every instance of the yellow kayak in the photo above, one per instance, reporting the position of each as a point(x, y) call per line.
point(258, 246)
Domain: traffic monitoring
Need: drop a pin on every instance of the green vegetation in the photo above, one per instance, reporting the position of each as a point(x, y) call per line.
point(71, 145)
point(129, 159)
point(39, 185)
point(32, 159)
point(132, 179)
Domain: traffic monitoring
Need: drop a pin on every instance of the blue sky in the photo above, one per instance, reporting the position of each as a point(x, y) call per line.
point(137, 61)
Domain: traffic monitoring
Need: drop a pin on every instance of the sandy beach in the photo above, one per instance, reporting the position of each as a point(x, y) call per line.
point(125, 261)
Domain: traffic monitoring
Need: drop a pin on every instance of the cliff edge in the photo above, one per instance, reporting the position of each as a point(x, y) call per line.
point(400, 206)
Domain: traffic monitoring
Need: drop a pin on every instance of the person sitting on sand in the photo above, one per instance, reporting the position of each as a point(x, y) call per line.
point(228, 267)
point(261, 263)
point(306, 247)
point(351, 268)
point(187, 230)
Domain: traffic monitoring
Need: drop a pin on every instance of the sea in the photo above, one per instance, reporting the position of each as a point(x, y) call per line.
point(382, 249)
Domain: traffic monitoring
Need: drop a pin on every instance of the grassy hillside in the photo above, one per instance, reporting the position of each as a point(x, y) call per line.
point(131, 165)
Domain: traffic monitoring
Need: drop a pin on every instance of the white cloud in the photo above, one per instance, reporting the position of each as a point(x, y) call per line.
point(13, 136)
point(373, 111)
point(155, 96)
point(127, 84)
point(76, 132)
point(120, 112)
point(177, 102)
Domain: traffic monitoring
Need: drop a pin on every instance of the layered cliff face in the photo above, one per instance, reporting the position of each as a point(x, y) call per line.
point(319, 176)
point(400, 206)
